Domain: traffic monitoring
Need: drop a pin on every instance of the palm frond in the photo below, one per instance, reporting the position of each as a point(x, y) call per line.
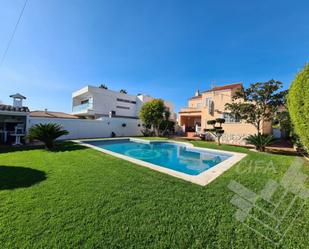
point(47, 133)
point(260, 141)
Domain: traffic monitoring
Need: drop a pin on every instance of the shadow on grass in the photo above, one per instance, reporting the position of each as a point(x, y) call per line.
point(12, 177)
point(60, 146)
point(8, 149)
point(67, 146)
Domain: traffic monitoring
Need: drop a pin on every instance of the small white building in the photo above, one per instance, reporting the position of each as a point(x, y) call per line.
point(13, 120)
point(94, 102)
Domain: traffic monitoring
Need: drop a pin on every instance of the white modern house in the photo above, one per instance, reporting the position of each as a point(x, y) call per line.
point(97, 112)
point(94, 102)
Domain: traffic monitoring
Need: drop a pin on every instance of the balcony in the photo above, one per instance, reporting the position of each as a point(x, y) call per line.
point(190, 110)
point(82, 108)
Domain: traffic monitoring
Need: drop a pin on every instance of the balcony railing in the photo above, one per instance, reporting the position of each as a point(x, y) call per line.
point(190, 109)
point(82, 107)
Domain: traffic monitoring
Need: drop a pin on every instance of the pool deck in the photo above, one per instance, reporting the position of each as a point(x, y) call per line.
point(202, 179)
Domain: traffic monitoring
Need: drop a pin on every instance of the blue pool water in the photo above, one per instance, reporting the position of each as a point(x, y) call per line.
point(174, 156)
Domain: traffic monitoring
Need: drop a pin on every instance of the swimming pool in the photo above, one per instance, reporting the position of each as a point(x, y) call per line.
point(178, 159)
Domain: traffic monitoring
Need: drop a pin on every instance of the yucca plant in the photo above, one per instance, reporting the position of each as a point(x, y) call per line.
point(47, 133)
point(260, 141)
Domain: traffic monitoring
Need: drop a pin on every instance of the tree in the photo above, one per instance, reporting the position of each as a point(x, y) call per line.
point(153, 113)
point(123, 91)
point(167, 127)
point(103, 86)
point(257, 103)
point(146, 131)
point(217, 131)
point(47, 133)
point(298, 105)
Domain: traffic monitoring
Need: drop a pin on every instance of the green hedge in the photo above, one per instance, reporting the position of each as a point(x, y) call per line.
point(298, 105)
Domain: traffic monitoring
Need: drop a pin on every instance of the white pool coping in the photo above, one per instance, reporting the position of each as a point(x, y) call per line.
point(202, 179)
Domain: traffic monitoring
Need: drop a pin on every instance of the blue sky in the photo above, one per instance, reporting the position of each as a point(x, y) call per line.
point(165, 48)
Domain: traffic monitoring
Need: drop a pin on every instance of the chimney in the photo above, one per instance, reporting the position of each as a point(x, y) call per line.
point(17, 100)
point(197, 93)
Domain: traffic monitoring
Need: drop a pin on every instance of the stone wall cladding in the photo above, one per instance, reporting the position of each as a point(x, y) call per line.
point(234, 139)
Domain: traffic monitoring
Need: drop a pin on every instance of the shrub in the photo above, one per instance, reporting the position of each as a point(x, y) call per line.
point(146, 131)
point(103, 86)
point(260, 141)
point(298, 105)
point(217, 131)
point(47, 133)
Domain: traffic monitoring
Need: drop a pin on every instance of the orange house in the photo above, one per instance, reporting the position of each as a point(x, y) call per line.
point(209, 105)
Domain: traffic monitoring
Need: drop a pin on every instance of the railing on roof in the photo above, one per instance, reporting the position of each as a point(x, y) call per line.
point(190, 109)
point(82, 107)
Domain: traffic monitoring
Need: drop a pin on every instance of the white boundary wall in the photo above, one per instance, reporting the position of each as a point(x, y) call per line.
point(85, 128)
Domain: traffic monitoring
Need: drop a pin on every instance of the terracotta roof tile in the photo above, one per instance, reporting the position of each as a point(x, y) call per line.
point(219, 88)
point(225, 87)
point(196, 97)
point(48, 114)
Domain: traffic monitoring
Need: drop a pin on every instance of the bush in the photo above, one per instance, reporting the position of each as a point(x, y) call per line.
point(47, 133)
point(260, 141)
point(216, 131)
point(298, 105)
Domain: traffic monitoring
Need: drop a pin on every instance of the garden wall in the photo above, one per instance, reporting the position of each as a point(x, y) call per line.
point(85, 128)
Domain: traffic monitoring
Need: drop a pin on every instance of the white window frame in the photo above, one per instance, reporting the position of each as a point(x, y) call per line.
point(229, 119)
point(208, 100)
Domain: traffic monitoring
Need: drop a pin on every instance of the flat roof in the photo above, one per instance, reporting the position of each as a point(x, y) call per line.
point(10, 108)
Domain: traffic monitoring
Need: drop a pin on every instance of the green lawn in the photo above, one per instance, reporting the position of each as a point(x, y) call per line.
point(77, 197)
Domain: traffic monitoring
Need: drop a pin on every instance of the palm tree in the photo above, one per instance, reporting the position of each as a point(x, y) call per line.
point(123, 91)
point(47, 133)
point(260, 141)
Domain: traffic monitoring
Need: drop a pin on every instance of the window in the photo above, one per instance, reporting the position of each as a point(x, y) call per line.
point(210, 104)
point(85, 101)
point(122, 107)
point(198, 105)
point(126, 101)
point(231, 118)
point(112, 113)
point(208, 101)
